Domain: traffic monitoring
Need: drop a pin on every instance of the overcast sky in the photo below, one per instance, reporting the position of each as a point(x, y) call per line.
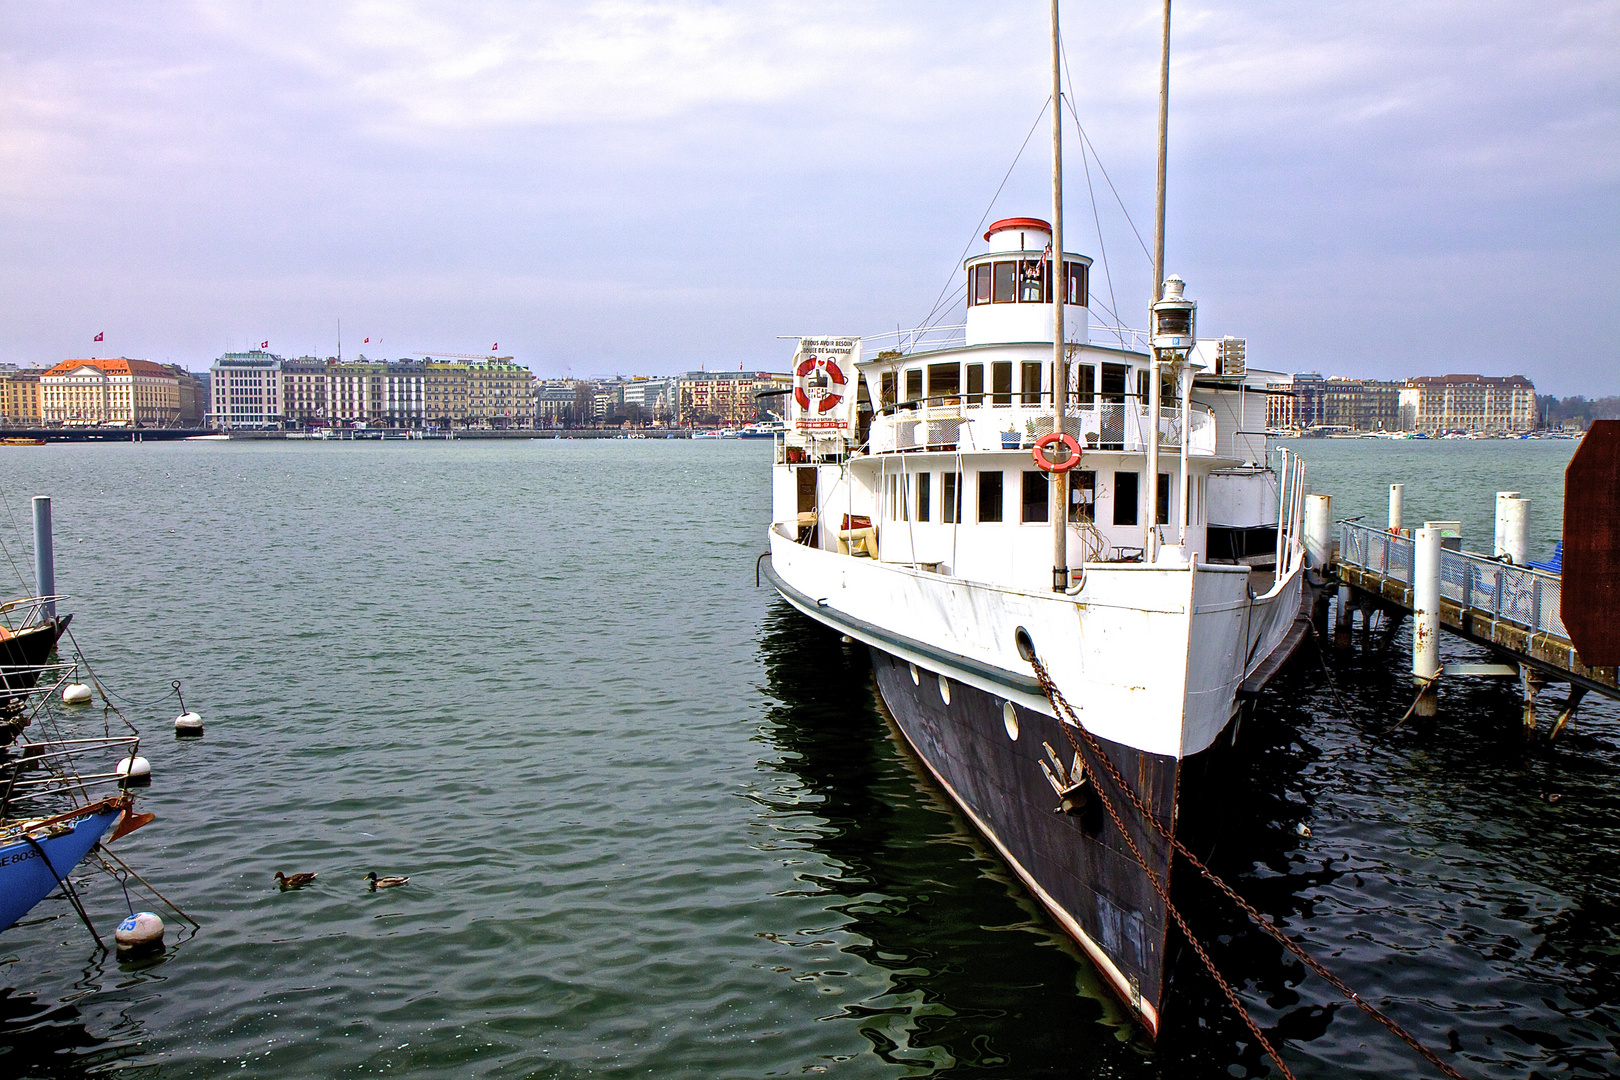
point(1363, 188)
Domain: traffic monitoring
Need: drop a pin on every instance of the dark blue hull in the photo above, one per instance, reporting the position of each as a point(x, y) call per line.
point(29, 873)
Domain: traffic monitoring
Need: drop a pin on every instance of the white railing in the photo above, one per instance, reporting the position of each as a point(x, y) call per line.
point(978, 426)
point(1518, 594)
point(1291, 490)
point(1128, 337)
point(921, 337)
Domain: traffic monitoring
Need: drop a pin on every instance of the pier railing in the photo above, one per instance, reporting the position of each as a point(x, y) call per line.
point(1518, 594)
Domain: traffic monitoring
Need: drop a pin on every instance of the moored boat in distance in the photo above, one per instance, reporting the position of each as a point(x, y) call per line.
point(966, 509)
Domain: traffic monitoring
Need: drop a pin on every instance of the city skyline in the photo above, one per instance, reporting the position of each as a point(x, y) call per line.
point(1365, 188)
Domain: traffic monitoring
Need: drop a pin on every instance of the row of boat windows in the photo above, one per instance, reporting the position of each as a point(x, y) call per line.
point(911, 497)
point(967, 381)
point(1023, 281)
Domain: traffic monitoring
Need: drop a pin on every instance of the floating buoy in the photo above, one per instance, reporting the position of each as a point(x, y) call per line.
point(188, 725)
point(141, 933)
point(76, 694)
point(135, 770)
point(1302, 829)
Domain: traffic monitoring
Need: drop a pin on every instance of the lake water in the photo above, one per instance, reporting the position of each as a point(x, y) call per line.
point(657, 825)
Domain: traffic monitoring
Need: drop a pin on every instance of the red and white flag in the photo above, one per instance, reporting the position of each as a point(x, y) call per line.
point(366, 342)
point(100, 337)
point(495, 347)
point(264, 344)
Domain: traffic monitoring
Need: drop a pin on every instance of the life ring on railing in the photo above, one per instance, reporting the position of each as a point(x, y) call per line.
point(1047, 465)
point(814, 380)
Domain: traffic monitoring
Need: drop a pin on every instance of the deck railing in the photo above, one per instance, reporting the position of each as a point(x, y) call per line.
point(959, 424)
point(1521, 595)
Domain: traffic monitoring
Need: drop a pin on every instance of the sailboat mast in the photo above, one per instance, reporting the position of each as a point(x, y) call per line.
point(1150, 539)
point(1057, 279)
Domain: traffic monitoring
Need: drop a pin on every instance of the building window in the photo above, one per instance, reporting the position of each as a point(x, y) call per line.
point(1036, 491)
point(990, 496)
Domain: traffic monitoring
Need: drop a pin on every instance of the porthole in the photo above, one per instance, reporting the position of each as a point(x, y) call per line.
point(944, 689)
point(1009, 718)
point(916, 676)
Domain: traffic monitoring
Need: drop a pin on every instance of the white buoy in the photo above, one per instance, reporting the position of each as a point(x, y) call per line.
point(140, 933)
point(1397, 504)
point(135, 770)
point(188, 725)
point(76, 694)
point(1426, 616)
point(1318, 531)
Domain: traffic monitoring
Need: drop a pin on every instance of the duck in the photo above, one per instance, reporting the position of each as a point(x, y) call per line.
point(296, 881)
point(385, 882)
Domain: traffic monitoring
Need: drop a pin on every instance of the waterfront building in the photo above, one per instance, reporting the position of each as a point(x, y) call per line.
point(245, 390)
point(657, 398)
point(1282, 408)
point(109, 391)
point(19, 397)
point(1360, 404)
point(553, 403)
point(355, 392)
point(304, 391)
point(193, 396)
point(1468, 403)
point(444, 391)
point(499, 393)
point(724, 397)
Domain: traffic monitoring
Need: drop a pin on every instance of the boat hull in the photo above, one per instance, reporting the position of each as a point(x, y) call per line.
point(1077, 864)
point(28, 874)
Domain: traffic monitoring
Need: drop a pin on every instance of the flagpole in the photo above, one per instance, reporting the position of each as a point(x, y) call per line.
point(1056, 278)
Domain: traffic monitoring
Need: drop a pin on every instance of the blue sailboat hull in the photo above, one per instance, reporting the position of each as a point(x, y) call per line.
point(25, 877)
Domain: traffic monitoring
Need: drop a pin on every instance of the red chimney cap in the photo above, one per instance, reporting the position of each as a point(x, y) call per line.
point(1017, 223)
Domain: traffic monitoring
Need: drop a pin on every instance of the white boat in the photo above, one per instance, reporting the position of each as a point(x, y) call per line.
point(930, 505)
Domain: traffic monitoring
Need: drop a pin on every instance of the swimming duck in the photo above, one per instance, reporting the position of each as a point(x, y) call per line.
point(385, 882)
point(297, 881)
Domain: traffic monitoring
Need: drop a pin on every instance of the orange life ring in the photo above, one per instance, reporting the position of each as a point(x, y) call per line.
point(828, 399)
point(1068, 442)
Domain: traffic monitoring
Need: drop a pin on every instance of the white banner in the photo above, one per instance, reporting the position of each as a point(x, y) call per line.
point(824, 385)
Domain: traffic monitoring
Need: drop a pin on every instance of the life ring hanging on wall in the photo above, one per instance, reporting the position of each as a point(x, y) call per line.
point(815, 379)
point(1069, 444)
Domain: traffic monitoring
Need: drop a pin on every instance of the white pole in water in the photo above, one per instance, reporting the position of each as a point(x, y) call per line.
point(1058, 279)
point(1397, 503)
point(44, 554)
point(1512, 526)
point(1426, 615)
point(1318, 531)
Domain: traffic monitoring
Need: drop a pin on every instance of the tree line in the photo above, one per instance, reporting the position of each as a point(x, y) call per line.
point(1556, 410)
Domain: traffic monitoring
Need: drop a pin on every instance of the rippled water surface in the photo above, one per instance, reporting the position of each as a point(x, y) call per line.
point(656, 823)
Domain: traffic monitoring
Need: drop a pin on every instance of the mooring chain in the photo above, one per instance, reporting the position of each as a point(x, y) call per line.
point(1067, 712)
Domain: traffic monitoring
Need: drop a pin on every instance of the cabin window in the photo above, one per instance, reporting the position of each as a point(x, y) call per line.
point(1036, 490)
point(1006, 282)
point(1125, 498)
point(975, 384)
point(887, 392)
point(1077, 285)
point(924, 483)
point(990, 496)
point(944, 380)
point(1032, 282)
point(1030, 383)
point(1083, 495)
point(914, 384)
point(1085, 383)
point(1113, 383)
point(1164, 498)
point(1001, 382)
point(979, 291)
point(1143, 387)
point(950, 497)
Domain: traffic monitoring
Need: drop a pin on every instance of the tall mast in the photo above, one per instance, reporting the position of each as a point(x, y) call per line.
point(1150, 542)
point(1057, 278)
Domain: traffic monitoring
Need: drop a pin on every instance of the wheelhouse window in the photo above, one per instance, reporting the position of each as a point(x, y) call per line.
point(1083, 495)
point(1036, 490)
point(1078, 285)
point(1085, 382)
point(886, 393)
point(1006, 283)
point(914, 384)
point(1163, 515)
point(975, 384)
point(1032, 282)
point(924, 495)
point(979, 284)
point(944, 380)
point(989, 496)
